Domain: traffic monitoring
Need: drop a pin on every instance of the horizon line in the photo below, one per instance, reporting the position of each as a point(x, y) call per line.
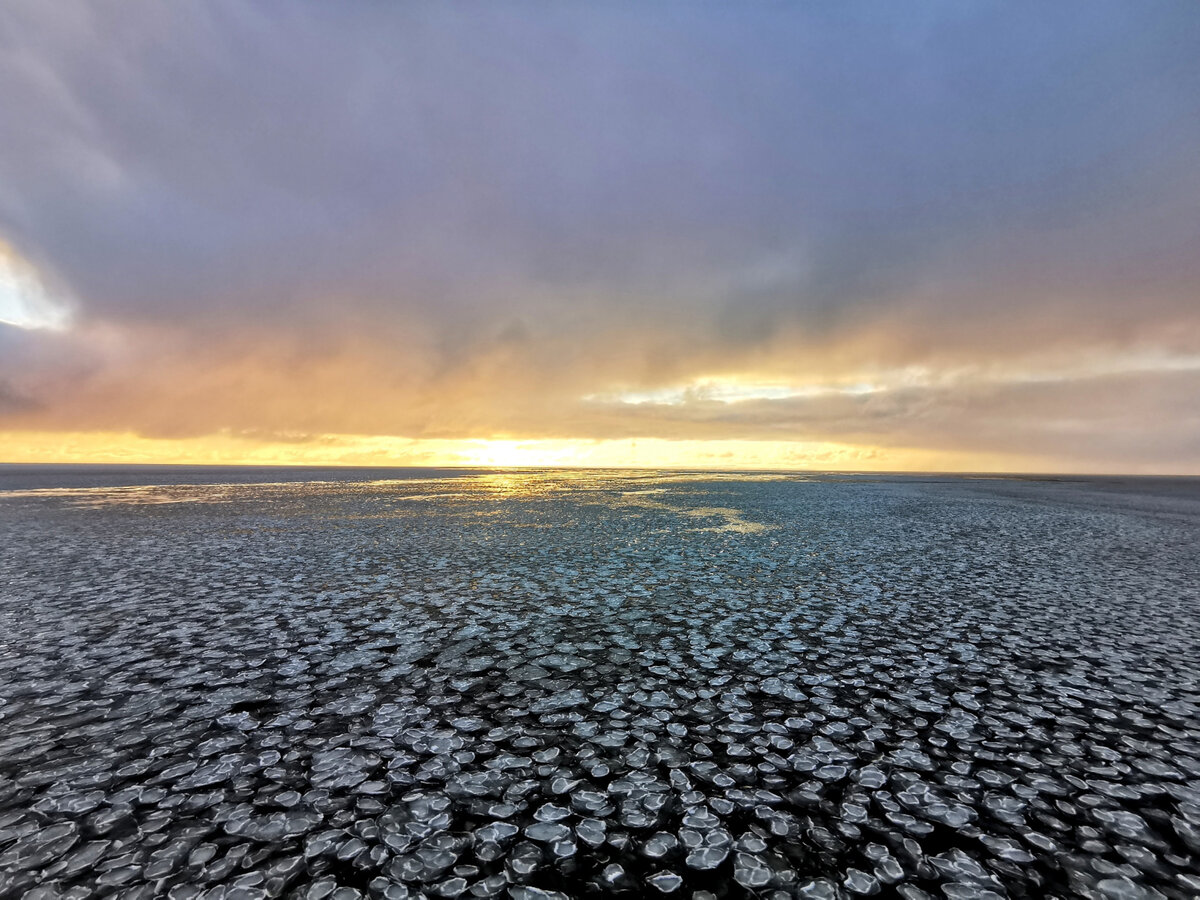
point(980, 473)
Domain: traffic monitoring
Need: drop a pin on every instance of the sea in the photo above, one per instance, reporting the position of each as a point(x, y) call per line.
point(254, 682)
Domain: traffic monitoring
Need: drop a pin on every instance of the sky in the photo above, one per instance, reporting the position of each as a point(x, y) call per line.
point(954, 236)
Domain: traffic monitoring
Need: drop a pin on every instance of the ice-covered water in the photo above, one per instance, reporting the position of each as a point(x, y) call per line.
point(505, 684)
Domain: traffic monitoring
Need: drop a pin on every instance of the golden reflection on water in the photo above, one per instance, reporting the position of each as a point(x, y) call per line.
point(471, 497)
point(128, 495)
point(732, 518)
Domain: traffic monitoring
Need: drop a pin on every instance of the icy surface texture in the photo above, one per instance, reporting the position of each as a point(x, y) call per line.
point(545, 685)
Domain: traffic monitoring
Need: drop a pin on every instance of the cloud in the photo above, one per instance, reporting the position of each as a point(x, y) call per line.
point(448, 221)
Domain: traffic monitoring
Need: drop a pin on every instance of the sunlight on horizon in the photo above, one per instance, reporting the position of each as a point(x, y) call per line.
point(104, 448)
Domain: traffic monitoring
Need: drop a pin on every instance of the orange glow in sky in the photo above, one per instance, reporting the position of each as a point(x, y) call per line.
point(803, 238)
point(366, 450)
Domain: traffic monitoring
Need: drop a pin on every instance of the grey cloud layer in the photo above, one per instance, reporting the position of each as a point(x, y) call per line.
point(482, 199)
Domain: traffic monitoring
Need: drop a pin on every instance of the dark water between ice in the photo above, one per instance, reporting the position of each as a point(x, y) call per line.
point(338, 683)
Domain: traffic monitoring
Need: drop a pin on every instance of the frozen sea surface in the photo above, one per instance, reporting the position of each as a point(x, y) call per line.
point(456, 684)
